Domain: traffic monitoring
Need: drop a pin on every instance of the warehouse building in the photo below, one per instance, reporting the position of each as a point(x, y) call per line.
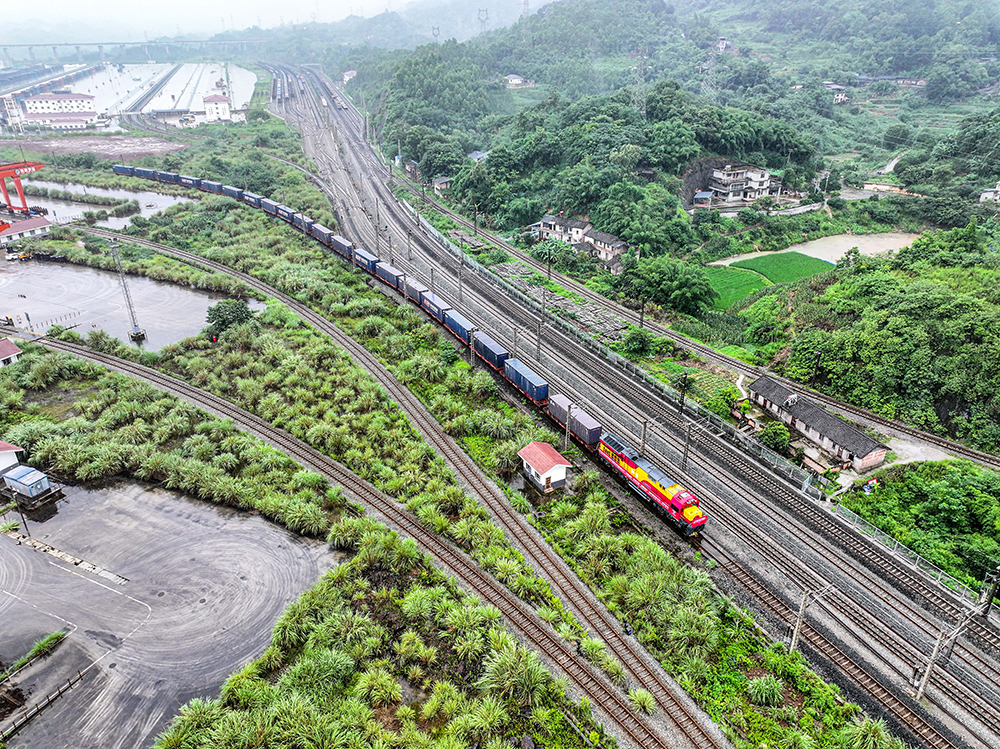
point(838, 437)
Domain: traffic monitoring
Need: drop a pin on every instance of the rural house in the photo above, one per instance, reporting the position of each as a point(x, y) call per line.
point(9, 455)
point(737, 182)
point(8, 352)
point(544, 466)
point(441, 185)
point(582, 235)
point(838, 437)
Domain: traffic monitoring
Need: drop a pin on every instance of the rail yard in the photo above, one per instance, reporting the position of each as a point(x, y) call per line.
point(795, 541)
point(769, 537)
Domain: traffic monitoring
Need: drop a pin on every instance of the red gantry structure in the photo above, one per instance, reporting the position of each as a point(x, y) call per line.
point(15, 172)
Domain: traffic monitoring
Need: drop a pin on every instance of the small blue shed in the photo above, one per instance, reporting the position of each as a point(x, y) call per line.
point(26, 481)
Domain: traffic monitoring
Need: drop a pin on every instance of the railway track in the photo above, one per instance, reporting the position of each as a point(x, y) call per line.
point(520, 616)
point(566, 585)
point(928, 734)
point(772, 487)
point(702, 350)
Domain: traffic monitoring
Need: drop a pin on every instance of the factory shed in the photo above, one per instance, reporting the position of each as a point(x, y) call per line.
point(544, 466)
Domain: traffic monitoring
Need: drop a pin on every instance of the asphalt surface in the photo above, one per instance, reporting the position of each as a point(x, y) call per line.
point(205, 586)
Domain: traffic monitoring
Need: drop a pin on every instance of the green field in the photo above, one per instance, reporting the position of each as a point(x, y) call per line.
point(784, 267)
point(732, 285)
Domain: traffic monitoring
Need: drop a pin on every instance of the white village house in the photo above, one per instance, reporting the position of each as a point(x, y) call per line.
point(582, 235)
point(544, 466)
point(9, 455)
point(9, 352)
point(216, 108)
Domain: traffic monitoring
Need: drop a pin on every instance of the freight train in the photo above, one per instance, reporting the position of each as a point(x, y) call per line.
point(677, 505)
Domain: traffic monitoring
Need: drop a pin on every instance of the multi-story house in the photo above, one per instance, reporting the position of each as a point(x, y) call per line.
point(738, 182)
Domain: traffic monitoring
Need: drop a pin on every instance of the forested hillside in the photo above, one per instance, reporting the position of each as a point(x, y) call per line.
point(945, 41)
point(915, 336)
point(967, 161)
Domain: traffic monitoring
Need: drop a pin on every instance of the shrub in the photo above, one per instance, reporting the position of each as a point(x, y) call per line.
point(642, 700)
point(775, 435)
point(765, 691)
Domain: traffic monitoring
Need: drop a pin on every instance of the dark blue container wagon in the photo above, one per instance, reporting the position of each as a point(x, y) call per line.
point(323, 234)
point(457, 324)
point(232, 192)
point(365, 259)
point(128, 171)
point(286, 213)
point(389, 274)
point(172, 178)
point(415, 290)
point(434, 305)
point(267, 204)
point(526, 381)
point(213, 187)
point(190, 181)
point(303, 222)
point(145, 173)
point(342, 246)
point(490, 351)
point(252, 199)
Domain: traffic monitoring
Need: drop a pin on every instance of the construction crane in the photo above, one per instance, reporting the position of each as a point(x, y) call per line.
point(136, 334)
point(16, 171)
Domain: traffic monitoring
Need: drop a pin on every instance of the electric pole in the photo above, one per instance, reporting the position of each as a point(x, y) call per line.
point(808, 599)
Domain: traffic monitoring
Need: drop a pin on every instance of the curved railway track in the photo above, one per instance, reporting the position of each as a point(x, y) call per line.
point(566, 585)
point(518, 614)
point(770, 486)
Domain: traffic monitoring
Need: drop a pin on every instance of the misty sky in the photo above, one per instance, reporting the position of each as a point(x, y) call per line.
point(116, 17)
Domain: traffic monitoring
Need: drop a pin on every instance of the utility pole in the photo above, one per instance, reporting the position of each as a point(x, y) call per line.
point(538, 343)
point(687, 446)
point(461, 264)
point(642, 445)
point(409, 246)
point(472, 348)
point(515, 343)
point(569, 418)
point(945, 644)
point(432, 280)
point(808, 599)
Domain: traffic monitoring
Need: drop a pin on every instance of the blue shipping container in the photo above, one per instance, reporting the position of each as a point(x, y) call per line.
point(285, 212)
point(303, 222)
point(341, 245)
point(251, 199)
point(209, 186)
point(123, 169)
point(494, 354)
point(366, 260)
point(190, 181)
point(323, 234)
point(171, 177)
point(232, 192)
point(145, 173)
point(526, 381)
point(269, 206)
point(458, 325)
point(435, 305)
point(415, 290)
point(392, 276)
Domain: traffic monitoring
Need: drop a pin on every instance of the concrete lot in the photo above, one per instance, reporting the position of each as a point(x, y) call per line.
point(205, 586)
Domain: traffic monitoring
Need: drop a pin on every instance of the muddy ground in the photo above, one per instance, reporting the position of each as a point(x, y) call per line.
point(205, 586)
point(119, 147)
